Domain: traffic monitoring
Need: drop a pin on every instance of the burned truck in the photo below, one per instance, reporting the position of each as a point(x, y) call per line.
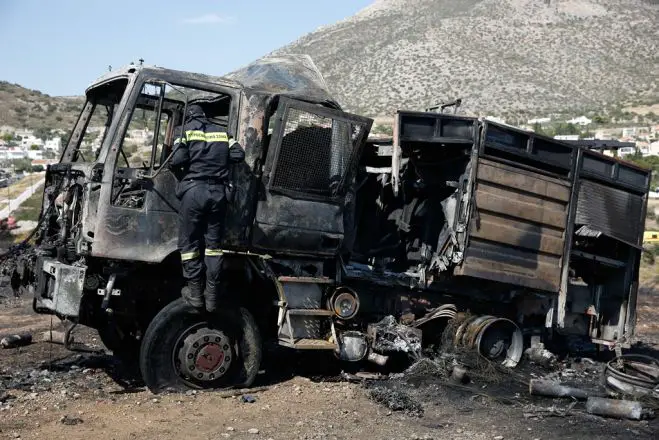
point(334, 241)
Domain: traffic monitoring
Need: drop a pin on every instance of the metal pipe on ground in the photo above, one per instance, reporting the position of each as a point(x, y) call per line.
point(547, 388)
point(17, 340)
point(619, 409)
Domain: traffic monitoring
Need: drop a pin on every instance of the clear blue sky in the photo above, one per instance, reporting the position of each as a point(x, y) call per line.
point(60, 46)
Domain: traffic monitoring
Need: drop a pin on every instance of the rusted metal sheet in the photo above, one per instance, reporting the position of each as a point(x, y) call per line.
point(517, 232)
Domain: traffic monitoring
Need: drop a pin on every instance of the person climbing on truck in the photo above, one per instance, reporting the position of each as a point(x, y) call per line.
point(203, 155)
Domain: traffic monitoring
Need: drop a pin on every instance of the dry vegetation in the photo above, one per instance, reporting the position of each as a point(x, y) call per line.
point(504, 57)
point(25, 108)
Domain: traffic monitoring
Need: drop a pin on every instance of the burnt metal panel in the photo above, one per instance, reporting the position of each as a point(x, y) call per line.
point(311, 161)
point(517, 231)
point(526, 149)
point(615, 212)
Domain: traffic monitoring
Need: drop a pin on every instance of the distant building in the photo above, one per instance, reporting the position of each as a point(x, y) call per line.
point(43, 162)
point(35, 154)
point(581, 120)
point(54, 144)
point(652, 149)
point(538, 121)
point(625, 151)
point(628, 132)
point(11, 153)
point(567, 137)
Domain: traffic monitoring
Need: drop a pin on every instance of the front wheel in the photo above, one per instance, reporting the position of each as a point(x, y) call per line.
point(183, 348)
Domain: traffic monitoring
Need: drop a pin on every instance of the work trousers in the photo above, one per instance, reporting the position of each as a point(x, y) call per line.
point(201, 227)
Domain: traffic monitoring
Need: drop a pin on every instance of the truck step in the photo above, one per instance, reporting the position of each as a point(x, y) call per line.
point(310, 312)
point(309, 344)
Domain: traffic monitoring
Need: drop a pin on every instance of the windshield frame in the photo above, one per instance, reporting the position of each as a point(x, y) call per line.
point(86, 114)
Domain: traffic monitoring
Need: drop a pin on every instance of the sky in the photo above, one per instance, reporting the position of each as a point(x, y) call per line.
point(60, 46)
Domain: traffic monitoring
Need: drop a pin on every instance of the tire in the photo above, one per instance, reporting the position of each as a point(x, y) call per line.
point(170, 360)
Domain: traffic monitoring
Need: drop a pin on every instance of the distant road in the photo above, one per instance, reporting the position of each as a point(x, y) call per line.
point(22, 197)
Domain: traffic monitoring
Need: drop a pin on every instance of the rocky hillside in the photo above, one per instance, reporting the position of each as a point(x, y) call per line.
point(503, 57)
point(25, 108)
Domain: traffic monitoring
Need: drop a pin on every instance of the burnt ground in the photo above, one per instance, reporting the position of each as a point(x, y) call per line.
point(47, 392)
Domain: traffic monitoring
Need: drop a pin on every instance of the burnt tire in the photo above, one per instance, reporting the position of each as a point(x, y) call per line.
point(170, 338)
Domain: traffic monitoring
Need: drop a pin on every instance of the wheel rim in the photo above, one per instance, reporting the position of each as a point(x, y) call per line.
point(202, 355)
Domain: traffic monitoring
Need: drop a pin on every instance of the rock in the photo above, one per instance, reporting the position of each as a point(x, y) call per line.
point(246, 398)
point(253, 431)
point(155, 400)
point(498, 437)
point(230, 428)
point(70, 421)
point(300, 423)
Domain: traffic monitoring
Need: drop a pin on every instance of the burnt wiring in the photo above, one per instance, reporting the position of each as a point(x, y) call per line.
point(17, 248)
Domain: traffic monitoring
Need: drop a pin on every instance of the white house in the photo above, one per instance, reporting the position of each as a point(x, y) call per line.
point(624, 151)
point(35, 154)
point(581, 120)
point(652, 149)
point(628, 132)
point(54, 144)
point(11, 153)
point(538, 121)
point(567, 137)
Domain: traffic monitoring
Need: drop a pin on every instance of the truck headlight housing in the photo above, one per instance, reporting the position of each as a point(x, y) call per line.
point(344, 302)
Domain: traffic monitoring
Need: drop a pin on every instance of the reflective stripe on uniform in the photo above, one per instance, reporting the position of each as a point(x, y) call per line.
point(187, 256)
point(198, 135)
point(214, 252)
point(217, 137)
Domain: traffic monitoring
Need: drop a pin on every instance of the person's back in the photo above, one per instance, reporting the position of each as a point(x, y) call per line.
point(203, 154)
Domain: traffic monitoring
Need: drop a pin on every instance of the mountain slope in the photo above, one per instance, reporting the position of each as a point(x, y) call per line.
point(501, 56)
point(25, 108)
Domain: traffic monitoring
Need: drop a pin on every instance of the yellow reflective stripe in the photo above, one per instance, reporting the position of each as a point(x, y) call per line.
point(198, 135)
point(186, 256)
point(214, 252)
point(195, 135)
point(217, 137)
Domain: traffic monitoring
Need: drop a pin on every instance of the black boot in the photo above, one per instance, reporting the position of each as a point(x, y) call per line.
point(210, 296)
point(193, 294)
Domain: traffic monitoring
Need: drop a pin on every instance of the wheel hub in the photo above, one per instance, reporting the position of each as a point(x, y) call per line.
point(205, 354)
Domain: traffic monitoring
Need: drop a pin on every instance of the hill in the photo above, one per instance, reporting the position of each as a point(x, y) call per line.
point(503, 57)
point(25, 108)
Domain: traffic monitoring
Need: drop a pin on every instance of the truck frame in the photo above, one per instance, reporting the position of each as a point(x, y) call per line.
point(335, 241)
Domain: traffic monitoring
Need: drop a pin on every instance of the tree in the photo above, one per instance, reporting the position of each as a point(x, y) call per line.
point(34, 147)
point(37, 168)
point(21, 164)
point(7, 137)
point(43, 133)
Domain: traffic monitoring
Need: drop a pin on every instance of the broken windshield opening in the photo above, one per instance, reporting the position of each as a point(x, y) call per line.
point(94, 121)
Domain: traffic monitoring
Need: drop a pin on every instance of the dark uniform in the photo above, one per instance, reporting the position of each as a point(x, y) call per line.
point(203, 154)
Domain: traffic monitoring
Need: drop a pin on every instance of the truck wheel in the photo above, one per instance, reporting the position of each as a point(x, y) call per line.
point(183, 348)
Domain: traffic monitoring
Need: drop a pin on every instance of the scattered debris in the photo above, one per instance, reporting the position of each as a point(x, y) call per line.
point(17, 340)
point(70, 421)
point(396, 400)
point(246, 398)
point(234, 393)
point(389, 337)
point(541, 356)
point(620, 409)
point(538, 387)
point(632, 375)
point(55, 337)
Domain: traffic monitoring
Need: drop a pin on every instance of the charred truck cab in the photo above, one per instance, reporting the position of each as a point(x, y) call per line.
point(333, 241)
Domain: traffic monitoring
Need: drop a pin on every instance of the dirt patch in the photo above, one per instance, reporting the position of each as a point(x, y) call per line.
point(48, 392)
